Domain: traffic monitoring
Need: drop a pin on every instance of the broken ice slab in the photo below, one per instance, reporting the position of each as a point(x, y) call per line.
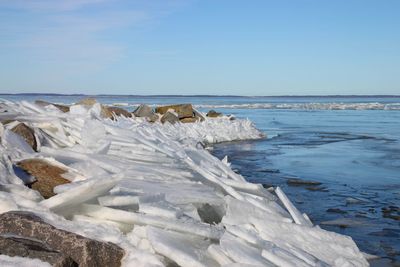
point(297, 216)
point(87, 190)
point(184, 225)
point(126, 200)
point(161, 208)
point(241, 252)
point(326, 246)
point(218, 255)
point(175, 192)
point(185, 250)
point(125, 228)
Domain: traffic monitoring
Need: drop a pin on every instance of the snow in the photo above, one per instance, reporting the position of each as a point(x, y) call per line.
point(6, 261)
point(154, 190)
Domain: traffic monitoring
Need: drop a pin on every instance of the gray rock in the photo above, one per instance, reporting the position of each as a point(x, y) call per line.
point(143, 111)
point(20, 246)
point(183, 110)
point(169, 117)
point(84, 251)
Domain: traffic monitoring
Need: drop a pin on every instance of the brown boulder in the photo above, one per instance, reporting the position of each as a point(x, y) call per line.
point(120, 112)
point(183, 110)
point(169, 117)
point(27, 134)
point(19, 246)
point(47, 176)
point(85, 251)
point(213, 114)
point(42, 103)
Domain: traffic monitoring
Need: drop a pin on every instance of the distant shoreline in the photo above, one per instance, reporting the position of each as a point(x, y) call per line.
point(233, 96)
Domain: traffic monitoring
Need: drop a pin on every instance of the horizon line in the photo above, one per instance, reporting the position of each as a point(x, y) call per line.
point(188, 95)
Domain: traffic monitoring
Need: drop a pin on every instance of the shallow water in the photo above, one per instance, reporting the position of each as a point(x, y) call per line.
point(349, 144)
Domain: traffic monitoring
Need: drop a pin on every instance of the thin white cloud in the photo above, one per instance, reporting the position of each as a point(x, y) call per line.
point(73, 33)
point(49, 5)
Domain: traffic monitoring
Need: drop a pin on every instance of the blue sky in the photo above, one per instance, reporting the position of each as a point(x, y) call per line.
point(280, 47)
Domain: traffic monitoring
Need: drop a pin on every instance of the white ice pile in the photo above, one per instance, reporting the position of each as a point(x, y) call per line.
point(151, 189)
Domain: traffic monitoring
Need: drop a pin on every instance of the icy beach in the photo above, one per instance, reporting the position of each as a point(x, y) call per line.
point(150, 190)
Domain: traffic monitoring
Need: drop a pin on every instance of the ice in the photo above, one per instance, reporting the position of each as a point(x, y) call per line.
point(85, 191)
point(241, 252)
point(184, 225)
point(7, 261)
point(187, 251)
point(154, 190)
point(297, 216)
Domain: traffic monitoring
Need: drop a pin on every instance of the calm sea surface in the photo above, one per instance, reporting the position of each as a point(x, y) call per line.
point(348, 144)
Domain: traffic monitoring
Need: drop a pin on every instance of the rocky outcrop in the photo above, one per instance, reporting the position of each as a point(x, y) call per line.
point(145, 111)
point(183, 110)
point(213, 114)
point(19, 246)
point(27, 134)
point(169, 117)
point(84, 251)
point(47, 175)
point(42, 103)
point(120, 112)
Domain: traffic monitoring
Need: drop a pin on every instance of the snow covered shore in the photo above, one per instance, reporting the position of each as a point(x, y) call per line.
point(153, 190)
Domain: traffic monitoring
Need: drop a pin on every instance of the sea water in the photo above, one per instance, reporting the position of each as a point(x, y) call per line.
point(348, 144)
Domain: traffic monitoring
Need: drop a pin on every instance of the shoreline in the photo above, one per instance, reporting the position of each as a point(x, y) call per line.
point(169, 182)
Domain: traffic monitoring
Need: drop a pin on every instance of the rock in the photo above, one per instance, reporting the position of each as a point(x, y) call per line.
point(189, 120)
point(27, 134)
point(120, 112)
point(85, 251)
point(89, 102)
point(299, 182)
point(169, 117)
point(143, 111)
point(42, 103)
point(47, 175)
point(183, 110)
point(31, 248)
point(213, 114)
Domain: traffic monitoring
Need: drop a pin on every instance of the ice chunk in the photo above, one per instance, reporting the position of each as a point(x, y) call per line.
point(241, 252)
point(184, 225)
point(297, 216)
point(163, 209)
point(185, 250)
point(81, 193)
point(7, 261)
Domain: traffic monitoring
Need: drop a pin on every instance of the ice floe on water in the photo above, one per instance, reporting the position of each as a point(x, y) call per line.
point(153, 190)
